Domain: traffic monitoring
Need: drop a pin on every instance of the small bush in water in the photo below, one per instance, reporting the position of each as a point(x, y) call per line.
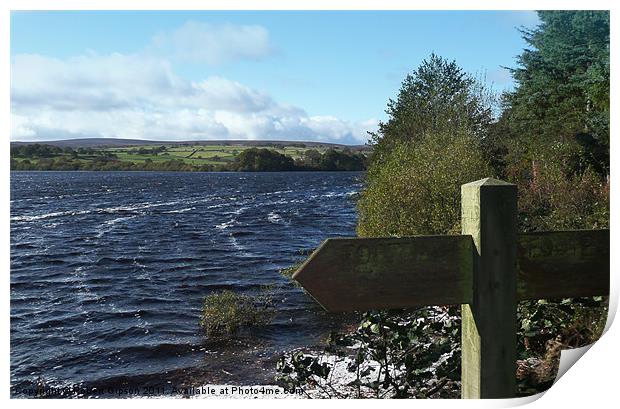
point(225, 312)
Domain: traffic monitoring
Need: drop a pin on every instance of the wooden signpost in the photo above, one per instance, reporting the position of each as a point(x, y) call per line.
point(487, 269)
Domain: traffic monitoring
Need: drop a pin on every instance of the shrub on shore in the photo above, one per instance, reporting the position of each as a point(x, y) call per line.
point(416, 189)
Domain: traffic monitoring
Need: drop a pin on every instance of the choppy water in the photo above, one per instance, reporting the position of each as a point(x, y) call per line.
point(109, 271)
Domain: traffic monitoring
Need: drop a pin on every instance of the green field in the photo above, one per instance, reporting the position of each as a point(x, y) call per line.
point(199, 154)
point(154, 156)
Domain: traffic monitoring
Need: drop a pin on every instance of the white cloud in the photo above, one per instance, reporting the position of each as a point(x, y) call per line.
point(140, 96)
point(214, 44)
point(92, 82)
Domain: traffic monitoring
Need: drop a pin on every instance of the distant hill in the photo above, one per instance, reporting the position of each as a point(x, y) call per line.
point(116, 143)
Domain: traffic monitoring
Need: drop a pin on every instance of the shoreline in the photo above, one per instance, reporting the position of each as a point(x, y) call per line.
point(187, 171)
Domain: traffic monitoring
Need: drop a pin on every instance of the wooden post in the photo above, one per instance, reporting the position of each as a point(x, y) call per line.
point(489, 215)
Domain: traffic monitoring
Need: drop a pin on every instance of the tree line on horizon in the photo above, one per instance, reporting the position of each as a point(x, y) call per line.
point(48, 157)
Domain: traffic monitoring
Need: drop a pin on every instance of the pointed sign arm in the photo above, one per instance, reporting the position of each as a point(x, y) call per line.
point(352, 274)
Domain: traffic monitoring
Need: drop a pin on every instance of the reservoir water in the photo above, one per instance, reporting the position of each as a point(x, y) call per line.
point(109, 271)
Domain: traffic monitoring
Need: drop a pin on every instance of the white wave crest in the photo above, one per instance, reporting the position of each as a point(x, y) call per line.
point(181, 210)
point(29, 218)
point(225, 225)
point(275, 218)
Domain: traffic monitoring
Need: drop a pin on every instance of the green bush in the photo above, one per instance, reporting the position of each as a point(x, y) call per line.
point(416, 188)
point(557, 191)
point(225, 312)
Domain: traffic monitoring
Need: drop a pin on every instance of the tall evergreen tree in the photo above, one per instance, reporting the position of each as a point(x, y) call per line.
point(562, 93)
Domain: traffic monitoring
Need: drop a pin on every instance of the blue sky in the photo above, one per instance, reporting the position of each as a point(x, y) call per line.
point(179, 75)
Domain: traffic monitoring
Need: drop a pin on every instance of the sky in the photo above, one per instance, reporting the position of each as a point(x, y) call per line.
point(199, 75)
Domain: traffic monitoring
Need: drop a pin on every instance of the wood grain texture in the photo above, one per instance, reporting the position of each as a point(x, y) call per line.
point(385, 273)
point(488, 336)
point(563, 264)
